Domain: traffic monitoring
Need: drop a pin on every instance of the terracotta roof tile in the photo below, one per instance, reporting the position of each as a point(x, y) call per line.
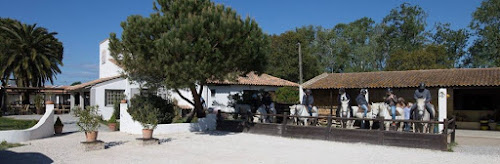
point(412, 78)
point(92, 83)
point(253, 79)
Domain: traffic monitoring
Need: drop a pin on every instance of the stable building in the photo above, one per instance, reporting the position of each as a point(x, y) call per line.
point(470, 94)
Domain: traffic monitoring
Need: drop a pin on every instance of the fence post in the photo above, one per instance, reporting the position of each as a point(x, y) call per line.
point(453, 127)
point(328, 127)
point(445, 129)
point(283, 123)
point(381, 130)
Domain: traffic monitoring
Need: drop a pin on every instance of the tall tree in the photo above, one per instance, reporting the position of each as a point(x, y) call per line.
point(455, 42)
point(185, 44)
point(430, 57)
point(284, 55)
point(404, 28)
point(31, 55)
point(485, 51)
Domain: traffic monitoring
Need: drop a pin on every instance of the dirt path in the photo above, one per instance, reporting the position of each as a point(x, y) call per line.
point(221, 147)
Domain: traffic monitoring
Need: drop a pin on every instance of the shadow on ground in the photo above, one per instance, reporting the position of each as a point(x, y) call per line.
point(108, 145)
point(215, 133)
point(7, 156)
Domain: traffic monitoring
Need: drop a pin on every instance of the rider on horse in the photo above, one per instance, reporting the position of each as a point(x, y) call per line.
point(343, 96)
point(362, 103)
point(391, 100)
point(308, 100)
point(421, 92)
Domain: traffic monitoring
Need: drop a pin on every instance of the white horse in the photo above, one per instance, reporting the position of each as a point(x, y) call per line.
point(385, 112)
point(242, 109)
point(422, 115)
point(262, 117)
point(344, 113)
point(301, 110)
point(372, 112)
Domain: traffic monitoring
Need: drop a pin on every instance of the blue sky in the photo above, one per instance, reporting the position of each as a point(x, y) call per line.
point(82, 24)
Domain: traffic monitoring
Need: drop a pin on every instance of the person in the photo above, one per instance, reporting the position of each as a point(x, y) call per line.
point(421, 92)
point(407, 112)
point(255, 102)
point(267, 101)
point(343, 96)
point(308, 100)
point(391, 100)
point(363, 104)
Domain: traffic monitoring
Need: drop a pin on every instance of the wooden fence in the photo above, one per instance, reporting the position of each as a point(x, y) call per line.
point(436, 141)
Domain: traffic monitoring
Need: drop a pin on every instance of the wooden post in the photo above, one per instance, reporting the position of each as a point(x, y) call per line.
point(445, 129)
point(381, 130)
point(453, 127)
point(283, 123)
point(331, 102)
point(328, 127)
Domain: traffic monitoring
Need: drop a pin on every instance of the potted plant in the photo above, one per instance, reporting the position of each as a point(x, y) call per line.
point(88, 121)
point(58, 126)
point(38, 101)
point(112, 122)
point(147, 116)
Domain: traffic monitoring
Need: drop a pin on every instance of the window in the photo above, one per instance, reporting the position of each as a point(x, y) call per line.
point(213, 92)
point(113, 96)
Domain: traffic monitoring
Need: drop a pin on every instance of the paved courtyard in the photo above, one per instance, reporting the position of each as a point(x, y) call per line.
point(222, 147)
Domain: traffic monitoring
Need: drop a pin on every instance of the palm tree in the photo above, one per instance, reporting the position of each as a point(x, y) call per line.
point(31, 54)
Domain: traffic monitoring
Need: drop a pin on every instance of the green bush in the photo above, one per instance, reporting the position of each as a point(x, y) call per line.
point(13, 124)
point(116, 110)
point(287, 95)
point(112, 119)
point(144, 107)
point(88, 118)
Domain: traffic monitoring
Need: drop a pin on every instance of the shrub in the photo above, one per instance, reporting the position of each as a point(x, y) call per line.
point(144, 106)
point(88, 118)
point(116, 110)
point(287, 95)
point(58, 122)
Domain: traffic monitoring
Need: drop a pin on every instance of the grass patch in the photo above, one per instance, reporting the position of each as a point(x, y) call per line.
point(13, 124)
point(4, 145)
point(451, 146)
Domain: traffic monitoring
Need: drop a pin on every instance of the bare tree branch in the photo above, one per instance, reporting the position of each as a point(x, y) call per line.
point(184, 98)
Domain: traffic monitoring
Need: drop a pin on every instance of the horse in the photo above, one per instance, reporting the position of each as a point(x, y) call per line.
point(241, 109)
point(384, 111)
point(422, 115)
point(372, 113)
point(262, 117)
point(344, 113)
point(301, 110)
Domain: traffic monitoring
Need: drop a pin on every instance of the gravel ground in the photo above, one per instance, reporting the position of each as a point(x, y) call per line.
point(221, 147)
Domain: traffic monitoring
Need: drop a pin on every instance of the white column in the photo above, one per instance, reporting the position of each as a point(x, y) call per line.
point(442, 95)
point(301, 93)
point(82, 104)
point(72, 101)
point(367, 97)
point(127, 124)
point(57, 99)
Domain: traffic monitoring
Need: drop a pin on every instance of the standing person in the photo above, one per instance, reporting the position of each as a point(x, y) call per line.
point(267, 101)
point(421, 92)
point(363, 104)
point(343, 96)
point(391, 100)
point(308, 100)
point(407, 111)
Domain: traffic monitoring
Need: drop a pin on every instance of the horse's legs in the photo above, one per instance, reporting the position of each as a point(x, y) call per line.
point(371, 125)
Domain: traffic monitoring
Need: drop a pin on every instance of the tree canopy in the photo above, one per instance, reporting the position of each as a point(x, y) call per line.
point(185, 44)
point(485, 51)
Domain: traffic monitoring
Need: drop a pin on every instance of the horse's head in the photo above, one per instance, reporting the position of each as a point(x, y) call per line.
point(293, 109)
point(420, 108)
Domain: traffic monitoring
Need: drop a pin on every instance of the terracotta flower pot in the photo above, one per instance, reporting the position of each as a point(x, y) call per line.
point(58, 129)
point(147, 133)
point(112, 126)
point(91, 136)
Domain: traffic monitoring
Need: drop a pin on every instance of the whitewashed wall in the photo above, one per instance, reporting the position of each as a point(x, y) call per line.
point(128, 125)
point(106, 67)
point(44, 128)
point(99, 99)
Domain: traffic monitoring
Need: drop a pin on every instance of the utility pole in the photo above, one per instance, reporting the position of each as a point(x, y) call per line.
point(300, 64)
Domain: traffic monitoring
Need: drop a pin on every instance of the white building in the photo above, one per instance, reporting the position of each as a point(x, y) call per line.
point(110, 87)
